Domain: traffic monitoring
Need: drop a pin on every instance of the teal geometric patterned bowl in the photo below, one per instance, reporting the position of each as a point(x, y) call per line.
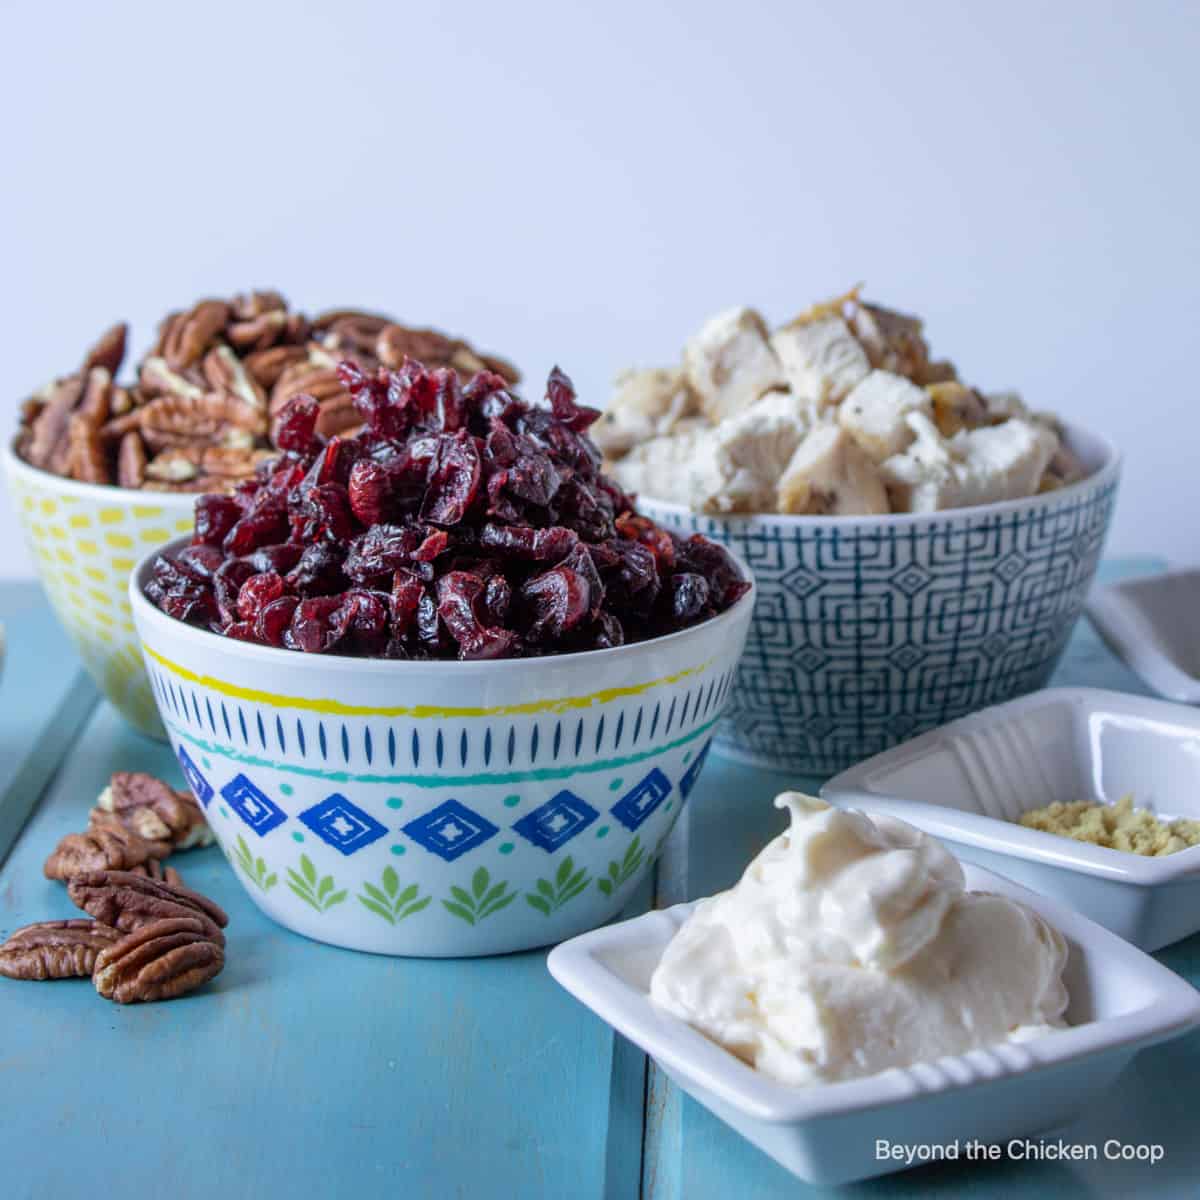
point(870, 630)
point(439, 808)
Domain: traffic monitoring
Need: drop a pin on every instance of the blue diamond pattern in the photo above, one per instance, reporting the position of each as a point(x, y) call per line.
point(450, 830)
point(907, 656)
point(342, 824)
point(912, 578)
point(639, 802)
point(254, 806)
point(557, 821)
point(693, 772)
point(810, 659)
point(1011, 566)
point(200, 786)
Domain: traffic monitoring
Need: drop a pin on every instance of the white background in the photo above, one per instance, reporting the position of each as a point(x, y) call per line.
point(586, 183)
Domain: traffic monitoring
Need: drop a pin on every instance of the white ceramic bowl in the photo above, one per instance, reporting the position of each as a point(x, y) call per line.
point(84, 540)
point(1154, 625)
point(967, 783)
point(1121, 1002)
point(440, 808)
point(869, 630)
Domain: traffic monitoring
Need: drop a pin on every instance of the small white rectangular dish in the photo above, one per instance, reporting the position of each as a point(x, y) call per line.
point(967, 783)
point(1153, 623)
point(1121, 1002)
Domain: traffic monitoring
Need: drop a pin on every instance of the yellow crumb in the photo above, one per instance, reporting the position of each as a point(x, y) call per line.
point(1117, 826)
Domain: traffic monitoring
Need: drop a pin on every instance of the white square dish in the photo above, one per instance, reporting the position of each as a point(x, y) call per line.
point(1154, 625)
point(968, 782)
point(1121, 1002)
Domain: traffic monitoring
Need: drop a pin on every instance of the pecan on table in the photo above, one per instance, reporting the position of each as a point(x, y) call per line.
point(127, 902)
point(154, 810)
point(55, 949)
point(107, 845)
point(159, 960)
point(153, 868)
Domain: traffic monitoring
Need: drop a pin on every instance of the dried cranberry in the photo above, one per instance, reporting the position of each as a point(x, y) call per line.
point(319, 571)
point(557, 601)
point(264, 524)
point(296, 429)
point(274, 619)
point(380, 551)
point(257, 591)
point(540, 545)
point(560, 391)
point(281, 558)
point(368, 619)
point(242, 631)
point(204, 561)
point(183, 592)
point(453, 480)
point(459, 593)
point(215, 516)
point(689, 596)
point(370, 490)
point(407, 592)
point(657, 539)
point(227, 583)
point(319, 623)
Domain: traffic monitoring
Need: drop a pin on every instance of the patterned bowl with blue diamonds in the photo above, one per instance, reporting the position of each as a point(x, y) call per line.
point(439, 808)
point(870, 630)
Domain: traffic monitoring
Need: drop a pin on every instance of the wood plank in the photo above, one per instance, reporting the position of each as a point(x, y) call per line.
point(44, 698)
point(303, 1070)
point(690, 1155)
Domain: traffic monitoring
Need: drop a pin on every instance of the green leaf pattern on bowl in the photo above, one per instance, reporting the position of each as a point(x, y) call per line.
point(391, 902)
point(567, 884)
point(484, 898)
point(622, 871)
point(255, 869)
point(318, 893)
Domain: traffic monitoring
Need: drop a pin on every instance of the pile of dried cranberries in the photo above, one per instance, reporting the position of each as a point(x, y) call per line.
point(459, 522)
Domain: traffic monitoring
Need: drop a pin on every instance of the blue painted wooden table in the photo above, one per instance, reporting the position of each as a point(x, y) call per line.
point(310, 1071)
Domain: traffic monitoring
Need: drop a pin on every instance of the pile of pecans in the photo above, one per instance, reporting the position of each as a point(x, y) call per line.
point(148, 937)
point(202, 412)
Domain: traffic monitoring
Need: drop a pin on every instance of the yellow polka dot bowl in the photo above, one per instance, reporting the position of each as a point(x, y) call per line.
point(84, 540)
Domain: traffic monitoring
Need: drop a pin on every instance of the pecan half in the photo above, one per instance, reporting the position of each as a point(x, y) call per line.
point(109, 350)
point(158, 961)
point(185, 337)
point(131, 460)
point(152, 868)
point(174, 420)
point(55, 949)
point(87, 459)
point(49, 429)
point(305, 379)
point(266, 366)
point(106, 845)
point(154, 810)
point(395, 343)
point(225, 372)
point(127, 901)
point(157, 379)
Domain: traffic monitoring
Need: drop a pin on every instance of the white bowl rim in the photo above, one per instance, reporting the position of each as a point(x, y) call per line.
point(576, 965)
point(848, 788)
point(109, 493)
point(144, 611)
point(1108, 471)
point(1130, 631)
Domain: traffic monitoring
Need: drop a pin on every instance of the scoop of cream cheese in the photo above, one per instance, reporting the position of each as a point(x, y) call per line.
point(850, 945)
